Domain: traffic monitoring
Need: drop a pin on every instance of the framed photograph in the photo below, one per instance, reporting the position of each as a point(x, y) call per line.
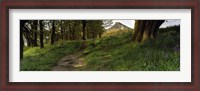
point(100, 45)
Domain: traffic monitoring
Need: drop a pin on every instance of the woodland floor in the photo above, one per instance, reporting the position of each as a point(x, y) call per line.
point(72, 62)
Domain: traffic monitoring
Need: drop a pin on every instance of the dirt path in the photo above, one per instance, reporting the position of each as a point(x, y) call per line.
point(71, 62)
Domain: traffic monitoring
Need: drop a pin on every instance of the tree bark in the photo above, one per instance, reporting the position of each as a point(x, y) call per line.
point(136, 30)
point(145, 29)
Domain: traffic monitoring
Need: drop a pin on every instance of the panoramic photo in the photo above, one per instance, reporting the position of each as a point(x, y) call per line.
point(100, 45)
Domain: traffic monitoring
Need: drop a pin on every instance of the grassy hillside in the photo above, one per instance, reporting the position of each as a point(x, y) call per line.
point(44, 59)
point(113, 52)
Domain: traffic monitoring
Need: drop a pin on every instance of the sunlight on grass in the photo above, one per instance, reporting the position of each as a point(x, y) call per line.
point(44, 59)
point(151, 55)
point(113, 52)
point(115, 32)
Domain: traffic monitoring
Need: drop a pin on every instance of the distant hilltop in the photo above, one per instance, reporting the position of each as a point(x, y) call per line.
point(119, 26)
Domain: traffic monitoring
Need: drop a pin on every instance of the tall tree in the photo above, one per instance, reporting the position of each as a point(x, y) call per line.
point(62, 29)
point(53, 32)
point(41, 33)
point(35, 28)
point(27, 34)
point(73, 33)
point(70, 30)
point(67, 29)
point(22, 23)
point(84, 25)
point(145, 29)
point(95, 29)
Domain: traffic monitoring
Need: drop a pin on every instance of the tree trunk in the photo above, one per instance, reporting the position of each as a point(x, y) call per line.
point(93, 35)
point(22, 23)
point(41, 34)
point(61, 29)
point(99, 35)
point(21, 41)
point(145, 29)
point(136, 30)
point(66, 34)
point(70, 32)
point(84, 25)
point(35, 39)
point(28, 39)
point(35, 25)
point(27, 34)
point(73, 31)
point(53, 32)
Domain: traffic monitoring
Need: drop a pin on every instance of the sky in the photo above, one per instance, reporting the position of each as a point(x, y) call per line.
point(130, 23)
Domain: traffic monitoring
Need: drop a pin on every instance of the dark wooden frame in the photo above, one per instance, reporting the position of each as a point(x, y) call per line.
point(99, 4)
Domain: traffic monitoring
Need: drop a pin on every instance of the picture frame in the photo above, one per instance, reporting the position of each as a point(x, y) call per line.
point(110, 4)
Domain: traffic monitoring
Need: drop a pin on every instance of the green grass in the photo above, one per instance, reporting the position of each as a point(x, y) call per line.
point(44, 59)
point(113, 53)
point(118, 53)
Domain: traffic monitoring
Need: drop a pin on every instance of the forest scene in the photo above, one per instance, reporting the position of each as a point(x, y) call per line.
point(99, 45)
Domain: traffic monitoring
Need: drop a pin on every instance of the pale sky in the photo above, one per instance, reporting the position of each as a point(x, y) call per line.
point(130, 23)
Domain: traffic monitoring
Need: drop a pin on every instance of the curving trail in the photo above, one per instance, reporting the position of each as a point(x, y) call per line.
point(71, 62)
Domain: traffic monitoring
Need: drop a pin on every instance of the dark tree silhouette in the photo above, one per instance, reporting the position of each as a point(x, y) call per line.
point(22, 23)
point(145, 29)
point(41, 34)
point(34, 28)
point(84, 25)
point(27, 34)
point(67, 29)
point(62, 29)
point(73, 30)
point(53, 32)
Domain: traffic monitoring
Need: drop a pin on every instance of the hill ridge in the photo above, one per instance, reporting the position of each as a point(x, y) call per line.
point(119, 25)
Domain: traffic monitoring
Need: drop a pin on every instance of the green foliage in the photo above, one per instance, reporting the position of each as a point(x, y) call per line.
point(94, 28)
point(44, 59)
